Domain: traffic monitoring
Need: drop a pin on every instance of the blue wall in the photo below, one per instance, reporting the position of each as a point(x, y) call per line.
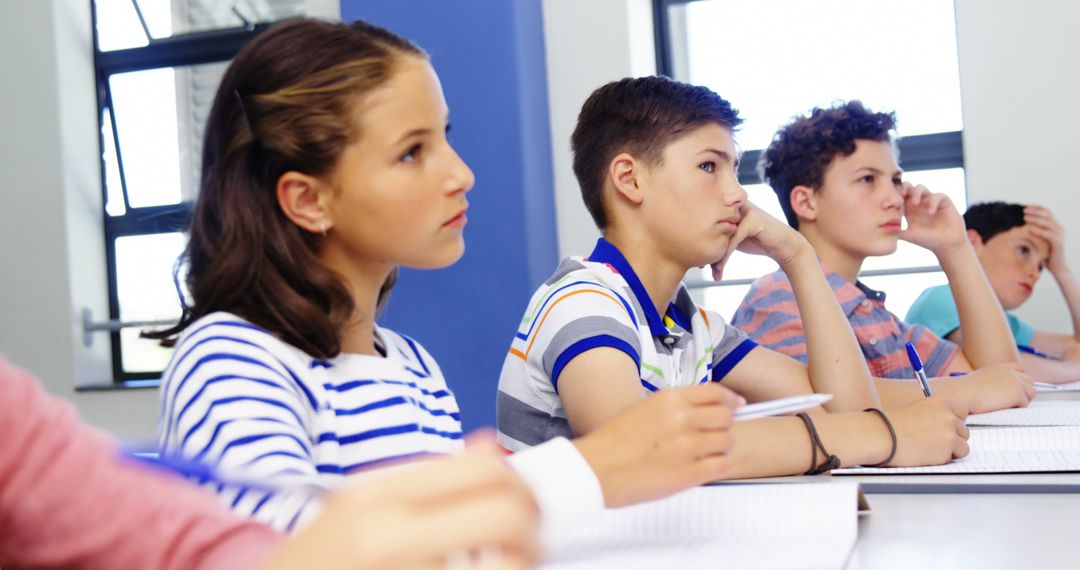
point(490, 57)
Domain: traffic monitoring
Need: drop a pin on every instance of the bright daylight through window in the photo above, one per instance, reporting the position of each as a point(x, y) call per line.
point(774, 59)
point(158, 65)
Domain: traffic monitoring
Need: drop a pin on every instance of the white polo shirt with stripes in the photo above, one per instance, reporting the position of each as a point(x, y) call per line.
point(600, 302)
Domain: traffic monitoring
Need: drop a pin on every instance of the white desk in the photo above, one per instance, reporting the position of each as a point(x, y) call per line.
point(984, 531)
point(968, 531)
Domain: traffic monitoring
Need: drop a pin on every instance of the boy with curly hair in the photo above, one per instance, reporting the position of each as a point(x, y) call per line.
point(837, 176)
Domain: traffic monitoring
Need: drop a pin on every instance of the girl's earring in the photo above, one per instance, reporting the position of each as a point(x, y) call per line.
point(322, 227)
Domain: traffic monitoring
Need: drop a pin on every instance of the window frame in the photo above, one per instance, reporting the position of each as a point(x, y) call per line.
point(180, 50)
point(932, 151)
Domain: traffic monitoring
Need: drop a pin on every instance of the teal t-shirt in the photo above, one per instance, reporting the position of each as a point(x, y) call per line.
point(936, 309)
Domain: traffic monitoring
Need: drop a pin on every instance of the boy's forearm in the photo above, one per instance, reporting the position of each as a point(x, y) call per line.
point(835, 363)
point(1070, 289)
point(772, 447)
point(896, 393)
point(1046, 370)
point(987, 338)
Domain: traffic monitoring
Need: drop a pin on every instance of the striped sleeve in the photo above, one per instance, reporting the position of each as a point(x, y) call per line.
point(576, 319)
point(769, 315)
point(937, 353)
point(230, 400)
point(730, 347)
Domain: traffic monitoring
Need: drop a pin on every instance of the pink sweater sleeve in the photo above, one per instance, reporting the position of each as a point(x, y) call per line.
point(68, 499)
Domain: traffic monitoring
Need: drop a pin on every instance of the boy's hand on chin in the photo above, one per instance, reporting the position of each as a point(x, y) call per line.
point(759, 233)
point(932, 220)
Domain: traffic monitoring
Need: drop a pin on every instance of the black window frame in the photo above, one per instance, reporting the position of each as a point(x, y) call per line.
point(181, 50)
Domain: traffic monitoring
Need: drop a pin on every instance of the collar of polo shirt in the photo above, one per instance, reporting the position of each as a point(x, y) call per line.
point(851, 296)
point(871, 293)
point(606, 253)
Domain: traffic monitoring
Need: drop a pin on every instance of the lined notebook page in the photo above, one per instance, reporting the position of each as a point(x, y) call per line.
point(723, 526)
point(1038, 413)
point(1070, 387)
point(1003, 450)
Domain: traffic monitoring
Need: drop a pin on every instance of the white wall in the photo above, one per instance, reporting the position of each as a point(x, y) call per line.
point(587, 45)
point(325, 9)
point(1020, 90)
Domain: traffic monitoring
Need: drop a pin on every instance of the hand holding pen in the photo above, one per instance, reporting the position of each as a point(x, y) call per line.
point(920, 373)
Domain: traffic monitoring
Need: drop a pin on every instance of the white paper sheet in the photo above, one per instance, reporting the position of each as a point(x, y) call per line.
point(726, 526)
point(1069, 387)
point(1003, 450)
point(1038, 413)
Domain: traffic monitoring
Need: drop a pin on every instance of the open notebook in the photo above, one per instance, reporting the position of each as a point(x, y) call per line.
point(1037, 413)
point(723, 526)
point(1003, 450)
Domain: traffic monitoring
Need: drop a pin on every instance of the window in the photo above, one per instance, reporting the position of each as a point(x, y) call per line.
point(158, 64)
point(775, 59)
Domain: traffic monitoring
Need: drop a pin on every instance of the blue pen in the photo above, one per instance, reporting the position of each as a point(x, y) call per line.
point(916, 363)
point(1037, 352)
point(203, 472)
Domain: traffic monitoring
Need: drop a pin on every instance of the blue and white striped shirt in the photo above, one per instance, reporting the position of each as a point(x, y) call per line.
point(237, 397)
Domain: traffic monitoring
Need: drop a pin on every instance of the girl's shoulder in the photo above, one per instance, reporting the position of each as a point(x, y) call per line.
point(225, 327)
point(415, 356)
point(226, 333)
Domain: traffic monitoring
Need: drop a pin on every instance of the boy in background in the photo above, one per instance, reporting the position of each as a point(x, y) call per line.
point(836, 174)
point(1014, 243)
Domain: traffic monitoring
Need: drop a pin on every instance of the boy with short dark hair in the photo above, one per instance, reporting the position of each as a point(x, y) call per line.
point(656, 160)
point(1014, 243)
point(836, 175)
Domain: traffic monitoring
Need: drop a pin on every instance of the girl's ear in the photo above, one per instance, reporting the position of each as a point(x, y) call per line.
point(302, 198)
point(803, 201)
point(624, 171)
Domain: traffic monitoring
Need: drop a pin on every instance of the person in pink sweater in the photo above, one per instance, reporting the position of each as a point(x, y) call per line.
point(70, 499)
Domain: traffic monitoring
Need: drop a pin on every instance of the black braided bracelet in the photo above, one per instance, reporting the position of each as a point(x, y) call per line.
point(831, 461)
point(892, 434)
